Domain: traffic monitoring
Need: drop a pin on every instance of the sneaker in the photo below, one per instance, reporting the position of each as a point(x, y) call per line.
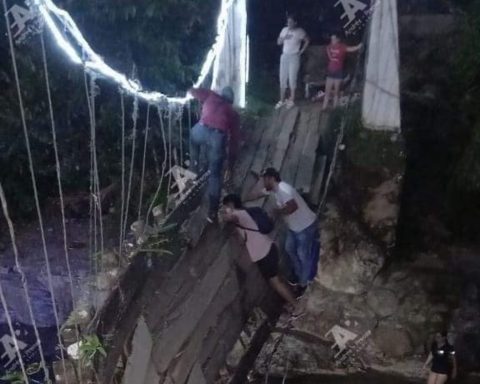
point(292, 282)
point(290, 104)
point(300, 291)
point(279, 104)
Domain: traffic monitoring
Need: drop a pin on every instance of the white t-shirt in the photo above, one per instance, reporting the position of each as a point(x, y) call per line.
point(303, 217)
point(293, 40)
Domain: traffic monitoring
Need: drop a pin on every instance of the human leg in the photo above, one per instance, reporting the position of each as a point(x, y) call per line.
point(293, 68)
point(268, 267)
point(432, 378)
point(328, 92)
point(315, 255)
point(336, 91)
point(216, 158)
point(197, 139)
point(291, 250)
point(283, 291)
point(441, 378)
point(283, 78)
point(305, 248)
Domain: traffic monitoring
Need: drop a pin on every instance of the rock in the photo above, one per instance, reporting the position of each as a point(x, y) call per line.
point(349, 261)
point(383, 302)
point(393, 342)
point(381, 211)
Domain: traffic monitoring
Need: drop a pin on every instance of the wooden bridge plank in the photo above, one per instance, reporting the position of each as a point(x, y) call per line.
point(283, 138)
point(303, 180)
point(192, 351)
point(292, 159)
point(173, 289)
point(317, 185)
point(188, 314)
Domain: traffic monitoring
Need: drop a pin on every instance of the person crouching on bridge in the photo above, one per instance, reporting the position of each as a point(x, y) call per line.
point(302, 243)
point(252, 225)
point(219, 127)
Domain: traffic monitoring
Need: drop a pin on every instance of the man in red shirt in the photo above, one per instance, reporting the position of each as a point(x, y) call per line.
point(219, 127)
point(337, 53)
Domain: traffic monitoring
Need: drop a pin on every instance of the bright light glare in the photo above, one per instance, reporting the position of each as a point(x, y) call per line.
point(61, 25)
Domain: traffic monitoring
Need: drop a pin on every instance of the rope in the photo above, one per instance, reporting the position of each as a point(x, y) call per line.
point(147, 128)
point(24, 282)
point(33, 179)
point(164, 166)
point(59, 176)
point(98, 198)
point(120, 246)
point(93, 207)
point(132, 162)
point(170, 157)
point(12, 334)
point(182, 164)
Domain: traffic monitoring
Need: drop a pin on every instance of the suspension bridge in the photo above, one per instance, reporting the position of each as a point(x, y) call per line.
point(167, 297)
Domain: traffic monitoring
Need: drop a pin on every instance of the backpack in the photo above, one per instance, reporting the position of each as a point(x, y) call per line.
point(259, 216)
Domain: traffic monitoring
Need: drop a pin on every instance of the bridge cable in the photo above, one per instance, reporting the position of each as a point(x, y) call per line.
point(24, 285)
point(164, 166)
point(145, 144)
point(34, 181)
point(59, 177)
point(132, 163)
point(122, 105)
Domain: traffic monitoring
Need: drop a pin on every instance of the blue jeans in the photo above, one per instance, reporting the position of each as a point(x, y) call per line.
point(303, 250)
point(213, 142)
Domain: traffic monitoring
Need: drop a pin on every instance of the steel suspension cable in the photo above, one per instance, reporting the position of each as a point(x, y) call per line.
point(145, 144)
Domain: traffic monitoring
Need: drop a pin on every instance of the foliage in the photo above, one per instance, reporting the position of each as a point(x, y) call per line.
point(162, 42)
point(90, 348)
point(17, 376)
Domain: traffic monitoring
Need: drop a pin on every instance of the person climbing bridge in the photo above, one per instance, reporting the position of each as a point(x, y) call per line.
point(337, 53)
point(302, 243)
point(253, 226)
point(219, 127)
point(294, 41)
point(442, 357)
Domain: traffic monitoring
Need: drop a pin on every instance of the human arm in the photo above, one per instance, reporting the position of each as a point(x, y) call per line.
point(288, 208)
point(282, 37)
point(354, 48)
point(428, 361)
point(201, 94)
point(306, 43)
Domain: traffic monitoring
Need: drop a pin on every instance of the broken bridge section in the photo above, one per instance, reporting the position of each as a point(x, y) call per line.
point(176, 321)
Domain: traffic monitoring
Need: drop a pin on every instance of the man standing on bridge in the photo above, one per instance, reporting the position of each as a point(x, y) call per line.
point(302, 243)
point(218, 127)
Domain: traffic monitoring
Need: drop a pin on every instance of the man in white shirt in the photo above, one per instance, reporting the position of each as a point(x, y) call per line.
point(294, 41)
point(302, 243)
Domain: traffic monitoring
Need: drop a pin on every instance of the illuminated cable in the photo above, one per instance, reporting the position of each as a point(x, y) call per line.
point(53, 16)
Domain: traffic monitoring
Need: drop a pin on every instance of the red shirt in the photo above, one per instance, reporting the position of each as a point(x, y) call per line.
point(219, 113)
point(336, 55)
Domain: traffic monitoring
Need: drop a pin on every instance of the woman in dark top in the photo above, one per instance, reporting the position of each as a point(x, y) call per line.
point(442, 357)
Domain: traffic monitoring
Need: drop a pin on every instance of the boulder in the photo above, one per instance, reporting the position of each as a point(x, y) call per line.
point(382, 301)
point(349, 262)
point(393, 341)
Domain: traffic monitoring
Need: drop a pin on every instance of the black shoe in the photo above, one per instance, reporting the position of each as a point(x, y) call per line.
point(300, 291)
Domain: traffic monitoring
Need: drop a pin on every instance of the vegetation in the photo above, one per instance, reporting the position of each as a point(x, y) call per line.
point(162, 43)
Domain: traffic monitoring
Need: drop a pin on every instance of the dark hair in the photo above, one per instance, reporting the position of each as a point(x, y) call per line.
point(293, 17)
point(272, 172)
point(233, 199)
